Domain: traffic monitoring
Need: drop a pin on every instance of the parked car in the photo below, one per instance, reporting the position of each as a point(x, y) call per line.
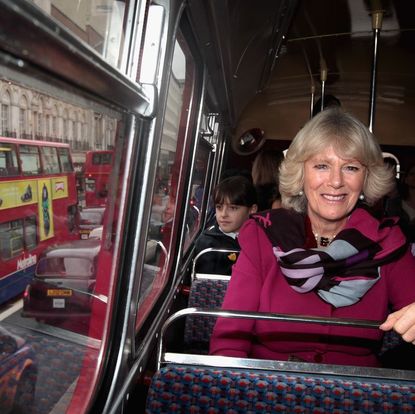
point(64, 282)
point(18, 374)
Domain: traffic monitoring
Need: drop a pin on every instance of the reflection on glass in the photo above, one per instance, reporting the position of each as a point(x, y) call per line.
point(198, 188)
point(99, 23)
point(55, 271)
point(168, 170)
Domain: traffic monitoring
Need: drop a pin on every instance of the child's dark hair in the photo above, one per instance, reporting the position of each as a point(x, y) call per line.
point(236, 190)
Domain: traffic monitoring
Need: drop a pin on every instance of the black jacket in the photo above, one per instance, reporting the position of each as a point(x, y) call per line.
point(215, 262)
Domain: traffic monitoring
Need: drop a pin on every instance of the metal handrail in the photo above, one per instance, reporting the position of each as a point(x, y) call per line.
point(355, 323)
point(209, 250)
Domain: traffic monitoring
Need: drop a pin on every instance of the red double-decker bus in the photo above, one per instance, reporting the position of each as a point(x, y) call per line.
point(38, 207)
point(98, 165)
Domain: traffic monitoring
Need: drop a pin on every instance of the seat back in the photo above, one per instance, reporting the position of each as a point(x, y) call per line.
point(205, 293)
point(207, 251)
point(189, 383)
point(196, 389)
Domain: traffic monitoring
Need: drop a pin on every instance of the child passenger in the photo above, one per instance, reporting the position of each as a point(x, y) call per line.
point(235, 200)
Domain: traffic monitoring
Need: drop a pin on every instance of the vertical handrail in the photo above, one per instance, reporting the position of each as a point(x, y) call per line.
point(323, 77)
point(377, 17)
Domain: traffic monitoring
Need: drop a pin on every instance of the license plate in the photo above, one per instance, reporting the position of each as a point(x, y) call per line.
point(58, 303)
point(59, 292)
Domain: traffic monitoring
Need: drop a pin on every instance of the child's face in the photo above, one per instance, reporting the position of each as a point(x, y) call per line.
point(230, 217)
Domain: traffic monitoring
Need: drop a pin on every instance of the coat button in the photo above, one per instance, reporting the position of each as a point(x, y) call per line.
point(318, 358)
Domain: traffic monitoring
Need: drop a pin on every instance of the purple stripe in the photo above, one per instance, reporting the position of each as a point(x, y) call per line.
point(310, 284)
point(356, 258)
point(303, 273)
point(310, 259)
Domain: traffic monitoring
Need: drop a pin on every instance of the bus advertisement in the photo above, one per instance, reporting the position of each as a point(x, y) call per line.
point(38, 206)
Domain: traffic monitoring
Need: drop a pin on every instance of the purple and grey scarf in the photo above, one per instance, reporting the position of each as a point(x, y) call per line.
point(345, 270)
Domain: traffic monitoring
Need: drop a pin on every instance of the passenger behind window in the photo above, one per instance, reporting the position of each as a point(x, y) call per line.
point(323, 254)
point(235, 199)
point(265, 171)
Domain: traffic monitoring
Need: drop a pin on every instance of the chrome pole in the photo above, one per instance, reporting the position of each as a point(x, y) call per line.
point(376, 26)
point(323, 77)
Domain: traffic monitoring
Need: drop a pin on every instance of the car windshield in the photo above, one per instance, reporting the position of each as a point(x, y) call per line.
point(65, 266)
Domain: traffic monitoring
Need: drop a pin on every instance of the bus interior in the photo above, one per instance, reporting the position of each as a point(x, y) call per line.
point(180, 92)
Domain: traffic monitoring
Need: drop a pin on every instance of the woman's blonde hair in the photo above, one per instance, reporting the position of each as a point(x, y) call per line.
point(351, 140)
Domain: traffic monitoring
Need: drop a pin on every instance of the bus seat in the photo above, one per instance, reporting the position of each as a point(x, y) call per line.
point(207, 251)
point(189, 383)
point(206, 291)
point(196, 389)
point(391, 340)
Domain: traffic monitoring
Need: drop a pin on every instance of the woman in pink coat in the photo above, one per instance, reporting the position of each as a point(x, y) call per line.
point(322, 254)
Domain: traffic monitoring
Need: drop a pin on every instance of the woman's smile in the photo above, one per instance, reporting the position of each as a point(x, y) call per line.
point(332, 186)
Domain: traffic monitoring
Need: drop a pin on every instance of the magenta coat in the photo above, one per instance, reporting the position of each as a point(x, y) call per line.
point(257, 284)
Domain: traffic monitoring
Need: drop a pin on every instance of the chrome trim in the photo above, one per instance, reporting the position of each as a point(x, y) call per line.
point(377, 17)
point(208, 276)
point(54, 49)
point(356, 323)
point(208, 250)
point(287, 366)
point(165, 358)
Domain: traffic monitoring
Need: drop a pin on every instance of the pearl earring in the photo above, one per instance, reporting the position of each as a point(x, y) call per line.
point(300, 193)
point(361, 197)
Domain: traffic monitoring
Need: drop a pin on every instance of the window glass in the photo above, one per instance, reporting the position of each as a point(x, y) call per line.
point(101, 158)
point(50, 160)
point(8, 160)
point(43, 215)
point(199, 186)
point(30, 233)
point(99, 23)
point(66, 164)
point(11, 239)
point(30, 159)
point(159, 244)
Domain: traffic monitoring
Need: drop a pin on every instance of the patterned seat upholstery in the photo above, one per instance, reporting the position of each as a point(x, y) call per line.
point(191, 389)
point(390, 340)
point(207, 294)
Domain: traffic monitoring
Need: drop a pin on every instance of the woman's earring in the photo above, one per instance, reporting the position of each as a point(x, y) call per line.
point(300, 193)
point(361, 197)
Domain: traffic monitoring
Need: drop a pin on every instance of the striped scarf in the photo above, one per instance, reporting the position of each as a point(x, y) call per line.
point(344, 271)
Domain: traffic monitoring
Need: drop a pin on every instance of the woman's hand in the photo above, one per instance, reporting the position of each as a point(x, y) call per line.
point(403, 322)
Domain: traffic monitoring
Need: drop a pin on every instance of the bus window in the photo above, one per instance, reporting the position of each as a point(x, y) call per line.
point(50, 160)
point(30, 159)
point(30, 233)
point(101, 24)
point(11, 239)
point(72, 212)
point(8, 160)
point(197, 207)
point(102, 158)
point(165, 192)
point(65, 160)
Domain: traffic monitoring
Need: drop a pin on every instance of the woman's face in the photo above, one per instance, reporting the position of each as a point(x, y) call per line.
point(332, 186)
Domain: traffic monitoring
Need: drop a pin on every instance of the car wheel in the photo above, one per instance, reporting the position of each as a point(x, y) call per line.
point(25, 393)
